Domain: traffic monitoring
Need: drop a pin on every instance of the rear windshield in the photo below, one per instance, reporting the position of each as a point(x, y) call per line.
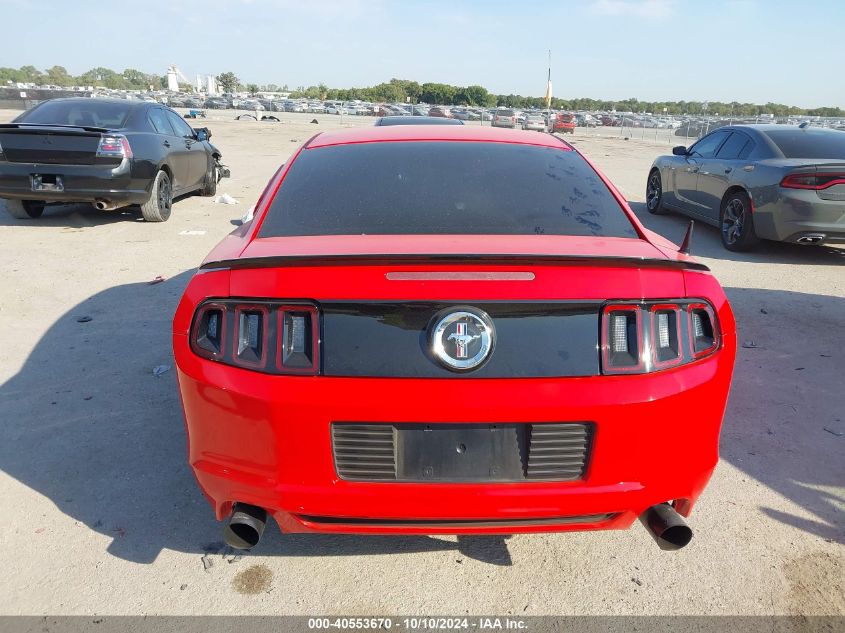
point(423, 187)
point(809, 143)
point(84, 112)
point(504, 112)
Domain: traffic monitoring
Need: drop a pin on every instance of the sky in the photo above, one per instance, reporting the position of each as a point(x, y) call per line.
point(654, 50)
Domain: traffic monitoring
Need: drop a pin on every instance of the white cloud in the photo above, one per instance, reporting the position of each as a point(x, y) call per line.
point(635, 8)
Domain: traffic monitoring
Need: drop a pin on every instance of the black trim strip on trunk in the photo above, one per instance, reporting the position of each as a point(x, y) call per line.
point(455, 523)
point(502, 259)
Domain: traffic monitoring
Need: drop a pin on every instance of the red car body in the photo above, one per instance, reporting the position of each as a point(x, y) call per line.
point(564, 123)
point(267, 441)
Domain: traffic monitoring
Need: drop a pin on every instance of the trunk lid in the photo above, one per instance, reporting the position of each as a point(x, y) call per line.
point(50, 145)
point(454, 268)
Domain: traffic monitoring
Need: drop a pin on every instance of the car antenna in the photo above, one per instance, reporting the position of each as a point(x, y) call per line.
point(685, 245)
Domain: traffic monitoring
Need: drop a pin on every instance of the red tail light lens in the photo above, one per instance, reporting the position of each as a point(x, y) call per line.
point(666, 350)
point(266, 336)
point(250, 342)
point(298, 339)
point(207, 335)
point(114, 146)
point(640, 338)
point(622, 341)
point(813, 181)
point(703, 335)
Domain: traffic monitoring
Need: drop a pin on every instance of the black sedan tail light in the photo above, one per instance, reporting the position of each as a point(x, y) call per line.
point(639, 338)
point(266, 336)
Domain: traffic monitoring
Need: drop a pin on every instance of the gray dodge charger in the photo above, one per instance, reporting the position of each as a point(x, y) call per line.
point(772, 182)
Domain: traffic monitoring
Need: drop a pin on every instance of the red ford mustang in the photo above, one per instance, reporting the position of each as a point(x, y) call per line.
point(445, 329)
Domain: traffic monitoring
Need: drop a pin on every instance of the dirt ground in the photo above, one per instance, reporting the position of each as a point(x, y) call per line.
point(102, 516)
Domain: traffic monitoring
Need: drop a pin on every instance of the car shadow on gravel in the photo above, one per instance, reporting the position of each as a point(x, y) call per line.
point(785, 421)
point(707, 243)
point(87, 425)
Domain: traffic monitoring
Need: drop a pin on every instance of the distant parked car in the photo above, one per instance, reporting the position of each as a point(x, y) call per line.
point(417, 120)
point(794, 175)
point(216, 103)
point(562, 122)
point(535, 122)
point(111, 153)
point(251, 104)
point(504, 118)
point(440, 112)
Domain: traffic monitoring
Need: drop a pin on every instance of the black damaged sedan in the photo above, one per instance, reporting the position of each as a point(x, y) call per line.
point(109, 152)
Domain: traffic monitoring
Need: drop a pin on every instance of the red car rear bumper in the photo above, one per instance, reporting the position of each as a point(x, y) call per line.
point(265, 440)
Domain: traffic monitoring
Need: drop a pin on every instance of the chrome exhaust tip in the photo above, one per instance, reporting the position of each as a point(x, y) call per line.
point(245, 526)
point(104, 205)
point(811, 238)
point(667, 527)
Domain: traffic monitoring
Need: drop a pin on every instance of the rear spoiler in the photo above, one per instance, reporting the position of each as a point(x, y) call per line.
point(278, 261)
point(49, 126)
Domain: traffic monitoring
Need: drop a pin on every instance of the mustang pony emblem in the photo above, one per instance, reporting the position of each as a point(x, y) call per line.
point(462, 338)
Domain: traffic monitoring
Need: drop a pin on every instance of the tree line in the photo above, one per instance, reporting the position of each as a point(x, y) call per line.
point(404, 91)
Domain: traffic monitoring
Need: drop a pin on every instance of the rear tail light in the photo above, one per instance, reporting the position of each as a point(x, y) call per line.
point(299, 339)
point(666, 350)
point(114, 146)
point(622, 341)
point(645, 337)
point(250, 345)
point(207, 335)
point(270, 337)
point(703, 337)
point(813, 181)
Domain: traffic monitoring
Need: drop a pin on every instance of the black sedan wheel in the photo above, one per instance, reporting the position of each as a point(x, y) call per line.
point(654, 193)
point(24, 209)
point(736, 223)
point(211, 180)
point(158, 207)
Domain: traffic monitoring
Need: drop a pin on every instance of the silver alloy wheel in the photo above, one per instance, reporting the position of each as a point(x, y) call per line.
point(653, 191)
point(165, 198)
point(733, 221)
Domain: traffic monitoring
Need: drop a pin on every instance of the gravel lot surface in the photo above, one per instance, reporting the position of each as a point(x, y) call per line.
point(102, 515)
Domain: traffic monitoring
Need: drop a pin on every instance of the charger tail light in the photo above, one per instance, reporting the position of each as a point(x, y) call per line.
point(816, 181)
point(298, 340)
point(639, 338)
point(666, 338)
point(703, 335)
point(269, 337)
point(622, 342)
point(114, 146)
